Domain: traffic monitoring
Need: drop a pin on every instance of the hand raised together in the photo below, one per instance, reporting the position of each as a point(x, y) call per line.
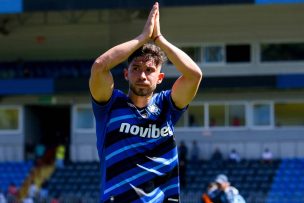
point(156, 30)
point(150, 24)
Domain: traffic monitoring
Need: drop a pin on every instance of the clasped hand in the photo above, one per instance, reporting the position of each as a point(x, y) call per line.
point(152, 27)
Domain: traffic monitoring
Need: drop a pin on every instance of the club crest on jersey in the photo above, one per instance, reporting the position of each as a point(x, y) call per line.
point(153, 109)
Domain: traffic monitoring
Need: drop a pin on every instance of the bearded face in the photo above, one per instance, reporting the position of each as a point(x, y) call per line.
point(142, 91)
point(143, 76)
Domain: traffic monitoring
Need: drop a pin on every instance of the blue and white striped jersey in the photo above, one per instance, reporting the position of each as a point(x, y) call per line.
point(137, 149)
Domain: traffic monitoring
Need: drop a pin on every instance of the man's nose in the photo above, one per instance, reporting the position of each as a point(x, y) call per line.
point(142, 75)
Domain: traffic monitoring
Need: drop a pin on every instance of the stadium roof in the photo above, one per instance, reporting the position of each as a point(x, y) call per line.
point(18, 6)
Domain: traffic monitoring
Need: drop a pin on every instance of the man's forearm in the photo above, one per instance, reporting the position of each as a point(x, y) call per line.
point(119, 53)
point(180, 60)
point(185, 87)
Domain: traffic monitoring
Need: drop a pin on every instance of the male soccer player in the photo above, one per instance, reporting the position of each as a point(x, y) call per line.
point(135, 140)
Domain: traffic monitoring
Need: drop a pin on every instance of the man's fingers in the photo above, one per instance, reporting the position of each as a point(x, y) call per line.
point(155, 6)
point(156, 30)
point(150, 23)
point(153, 10)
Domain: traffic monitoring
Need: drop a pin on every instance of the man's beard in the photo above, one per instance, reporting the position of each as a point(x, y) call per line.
point(139, 91)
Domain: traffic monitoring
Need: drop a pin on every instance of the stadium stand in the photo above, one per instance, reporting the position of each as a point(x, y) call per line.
point(288, 184)
point(281, 181)
point(76, 181)
point(80, 180)
point(251, 177)
point(13, 172)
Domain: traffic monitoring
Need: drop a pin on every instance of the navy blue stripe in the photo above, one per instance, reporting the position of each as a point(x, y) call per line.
point(148, 186)
point(129, 150)
point(127, 163)
point(119, 185)
point(120, 103)
point(169, 158)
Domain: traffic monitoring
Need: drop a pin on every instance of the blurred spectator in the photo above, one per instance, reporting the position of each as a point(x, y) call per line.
point(44, 192)
point(236, 121)
point(234, 156)
point(12, 189)
point(206, 195)
point(2, 197)
point(223, 192)
point(217, 156)
point(39, 153)
point(55, 199)
point(206, 198)
point(12, 192)
point(29, 150)
point(212, 122)
point(60, 155)
point(49, 156)
point(192, 121)
point(195, 151)
point(28, 200)
point(32, 190)
point(183, 152)
point(267, 156)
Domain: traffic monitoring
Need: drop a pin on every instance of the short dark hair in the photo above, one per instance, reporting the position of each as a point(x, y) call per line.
point(149, 51)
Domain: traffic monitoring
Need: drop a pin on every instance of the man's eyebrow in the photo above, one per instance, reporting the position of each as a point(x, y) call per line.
point(152, 67)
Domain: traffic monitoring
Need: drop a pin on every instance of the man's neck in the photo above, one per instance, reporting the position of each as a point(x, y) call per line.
point(139, 101)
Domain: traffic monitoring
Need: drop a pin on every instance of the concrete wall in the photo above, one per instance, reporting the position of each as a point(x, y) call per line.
point(11, 147)
point(284, 143)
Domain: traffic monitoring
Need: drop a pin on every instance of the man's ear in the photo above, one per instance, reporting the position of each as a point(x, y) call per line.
point(161, 76)
point(126, 73)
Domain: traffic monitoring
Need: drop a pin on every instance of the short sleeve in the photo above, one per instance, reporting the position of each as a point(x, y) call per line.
point(100, 109)
point(101, 112)
point(175, 111)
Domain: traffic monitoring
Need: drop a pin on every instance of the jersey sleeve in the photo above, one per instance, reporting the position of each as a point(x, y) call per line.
point(99, 109)
point(101, 112)
point(176, 112)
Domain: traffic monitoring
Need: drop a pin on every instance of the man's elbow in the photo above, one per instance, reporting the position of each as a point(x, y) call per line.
point(198, 75)
point(99, 65)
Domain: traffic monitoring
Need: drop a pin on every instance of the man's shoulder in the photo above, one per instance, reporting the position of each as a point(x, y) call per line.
point(118, 95)
point(119, 98)
point(117, 92)
point(162, 94)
